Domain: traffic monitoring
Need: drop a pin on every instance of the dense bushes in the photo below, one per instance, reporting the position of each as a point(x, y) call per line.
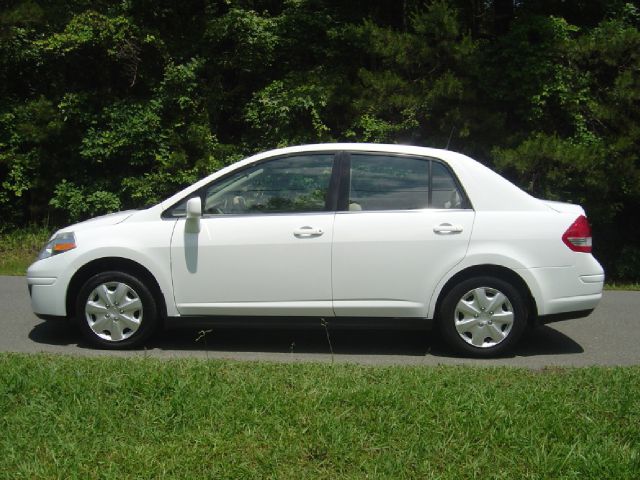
point(107, 105)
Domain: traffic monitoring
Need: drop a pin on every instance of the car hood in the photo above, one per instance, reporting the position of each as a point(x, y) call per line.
point(104, 220)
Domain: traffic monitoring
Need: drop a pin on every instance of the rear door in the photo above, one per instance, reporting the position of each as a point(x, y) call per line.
point(404, 223)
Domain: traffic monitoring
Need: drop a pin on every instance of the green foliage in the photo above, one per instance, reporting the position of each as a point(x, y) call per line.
point(88, 29)
point(125, 134)
point(84, 202)
point(107, 105)
point(250, 39)
point(290, 112)
point(559, 169)
point(628, 263)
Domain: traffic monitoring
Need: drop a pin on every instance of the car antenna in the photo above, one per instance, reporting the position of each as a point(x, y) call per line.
point(450, 135)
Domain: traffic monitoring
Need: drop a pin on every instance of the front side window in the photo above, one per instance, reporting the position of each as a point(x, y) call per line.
point(292, 184)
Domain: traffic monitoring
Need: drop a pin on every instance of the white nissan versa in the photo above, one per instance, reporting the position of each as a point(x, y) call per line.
point(347, 231)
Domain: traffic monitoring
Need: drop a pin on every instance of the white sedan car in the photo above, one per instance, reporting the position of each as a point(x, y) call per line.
point(336, 232)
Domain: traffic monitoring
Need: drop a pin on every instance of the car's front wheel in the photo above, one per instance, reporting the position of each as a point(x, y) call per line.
point(116, 310)
point(483, 316)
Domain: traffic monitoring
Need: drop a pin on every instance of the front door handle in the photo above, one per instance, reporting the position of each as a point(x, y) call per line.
point(305, 232)
point(447, 228)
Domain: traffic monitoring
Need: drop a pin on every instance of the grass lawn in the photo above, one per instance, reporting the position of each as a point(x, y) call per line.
point(67, 417)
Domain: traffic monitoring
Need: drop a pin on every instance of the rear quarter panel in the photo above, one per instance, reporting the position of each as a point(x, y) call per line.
point(530, 244)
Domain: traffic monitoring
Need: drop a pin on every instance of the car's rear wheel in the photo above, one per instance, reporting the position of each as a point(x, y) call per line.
point(483, 316)
point(116, 310)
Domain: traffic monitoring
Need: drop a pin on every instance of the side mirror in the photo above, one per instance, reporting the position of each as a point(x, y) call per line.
point(194, 213)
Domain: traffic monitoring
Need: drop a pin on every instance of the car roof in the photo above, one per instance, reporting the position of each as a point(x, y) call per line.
point(486, 189)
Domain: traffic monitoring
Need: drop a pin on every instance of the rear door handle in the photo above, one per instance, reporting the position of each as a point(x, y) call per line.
point(447, 228)
point(307, 231)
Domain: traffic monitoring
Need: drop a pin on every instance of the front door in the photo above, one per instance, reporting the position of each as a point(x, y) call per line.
point(264, 247)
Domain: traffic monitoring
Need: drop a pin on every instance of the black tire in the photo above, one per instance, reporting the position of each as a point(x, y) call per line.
point(471, 329)
point(110, 323)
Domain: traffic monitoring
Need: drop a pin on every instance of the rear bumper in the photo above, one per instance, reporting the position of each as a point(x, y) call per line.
point(566, 290)
point(572, 305)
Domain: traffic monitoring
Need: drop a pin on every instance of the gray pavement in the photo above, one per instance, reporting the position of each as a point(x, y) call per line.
point(610, 336)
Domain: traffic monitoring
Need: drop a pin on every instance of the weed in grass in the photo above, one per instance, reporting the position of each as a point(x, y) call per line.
point(202, 335)
point(325, 324)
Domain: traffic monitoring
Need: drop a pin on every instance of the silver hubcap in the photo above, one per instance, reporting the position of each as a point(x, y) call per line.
point(483, 317)
point(114, 311)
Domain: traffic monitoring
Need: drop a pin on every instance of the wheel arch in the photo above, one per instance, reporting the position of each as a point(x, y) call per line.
point(497, 271)
point(125, 265)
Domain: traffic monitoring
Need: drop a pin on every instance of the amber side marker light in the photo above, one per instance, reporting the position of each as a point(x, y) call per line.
point(63, 247)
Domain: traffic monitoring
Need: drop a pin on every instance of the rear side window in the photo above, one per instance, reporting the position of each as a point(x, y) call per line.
point(381, 182)
point(388, 182)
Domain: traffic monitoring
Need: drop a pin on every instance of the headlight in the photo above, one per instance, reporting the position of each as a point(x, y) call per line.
point(59, 243)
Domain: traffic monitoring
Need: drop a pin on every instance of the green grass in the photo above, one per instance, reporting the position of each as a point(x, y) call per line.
point(19, 248)
point(67, 417)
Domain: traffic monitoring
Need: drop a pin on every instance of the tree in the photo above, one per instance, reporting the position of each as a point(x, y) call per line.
point(107, 105)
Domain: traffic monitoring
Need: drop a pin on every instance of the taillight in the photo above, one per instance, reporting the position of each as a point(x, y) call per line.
point(578, 235)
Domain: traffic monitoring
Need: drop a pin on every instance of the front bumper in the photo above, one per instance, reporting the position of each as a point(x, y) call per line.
point(47, 296)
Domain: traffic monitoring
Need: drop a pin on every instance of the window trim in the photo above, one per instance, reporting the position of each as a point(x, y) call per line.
point(344, 175)
point(338, 193)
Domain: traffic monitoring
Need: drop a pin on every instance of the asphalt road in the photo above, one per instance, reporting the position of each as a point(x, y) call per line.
point(610, 336)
